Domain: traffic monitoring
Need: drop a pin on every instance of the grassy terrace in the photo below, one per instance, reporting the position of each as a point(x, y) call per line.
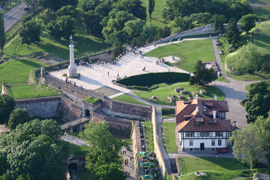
point(215, 168)
point(149, 136)
point(260, 7)
point(189, 53)
point(169, 137)
point(127, 98)
point(165, 90)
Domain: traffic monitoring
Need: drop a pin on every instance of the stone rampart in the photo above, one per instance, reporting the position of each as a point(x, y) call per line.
point(69, 110)
point(69, 88)
point(136, 147)
point(45, 107)
point(118, 127)
point(203, 30)
point(126, 110)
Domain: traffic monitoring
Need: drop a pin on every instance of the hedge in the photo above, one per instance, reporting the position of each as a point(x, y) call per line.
point(154, 78)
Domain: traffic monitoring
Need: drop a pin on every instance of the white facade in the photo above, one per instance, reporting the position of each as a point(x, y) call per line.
point(203, 140)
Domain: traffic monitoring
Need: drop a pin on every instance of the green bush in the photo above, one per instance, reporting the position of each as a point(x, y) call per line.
point(154, 78)
point(166, 111)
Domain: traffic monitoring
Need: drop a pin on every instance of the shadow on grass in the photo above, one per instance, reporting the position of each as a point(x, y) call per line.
point(30, 63)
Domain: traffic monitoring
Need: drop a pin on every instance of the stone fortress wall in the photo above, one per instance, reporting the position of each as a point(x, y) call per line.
point(45, 107)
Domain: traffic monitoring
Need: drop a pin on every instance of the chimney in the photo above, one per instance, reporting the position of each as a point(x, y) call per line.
point(214, 114)
point(215, 97)
point(196, 95)
point(197, 109)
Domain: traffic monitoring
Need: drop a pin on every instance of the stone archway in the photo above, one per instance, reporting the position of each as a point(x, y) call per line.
point(87, 113)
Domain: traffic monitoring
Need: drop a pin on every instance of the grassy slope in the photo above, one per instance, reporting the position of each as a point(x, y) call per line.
point(169, 137)
point(149, 136)
point(84, 44)
point(189, 52)
point(157, 18)
point(261, 7)
point(17, 71)
point(261, 39)
point(127, 98)
point(216, 168)
point(164, 90)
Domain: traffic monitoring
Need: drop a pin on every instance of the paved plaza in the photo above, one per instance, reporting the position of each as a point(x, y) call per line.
point(98, 76)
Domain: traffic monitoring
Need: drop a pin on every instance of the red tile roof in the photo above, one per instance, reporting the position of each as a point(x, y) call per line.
point(189, 119)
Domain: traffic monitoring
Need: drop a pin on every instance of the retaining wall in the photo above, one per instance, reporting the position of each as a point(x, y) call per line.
point(45, 107)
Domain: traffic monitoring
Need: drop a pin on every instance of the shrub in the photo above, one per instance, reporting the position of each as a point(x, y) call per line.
point(154, 78)
point(166, 111)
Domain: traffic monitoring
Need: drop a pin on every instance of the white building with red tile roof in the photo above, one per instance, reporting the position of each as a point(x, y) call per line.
point(202, 124)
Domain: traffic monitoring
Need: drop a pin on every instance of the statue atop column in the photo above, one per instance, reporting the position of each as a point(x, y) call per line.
point(72, 68)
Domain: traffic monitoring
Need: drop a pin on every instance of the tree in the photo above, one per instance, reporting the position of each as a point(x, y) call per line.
point(151, 7)
point(219, 21)
point(149, 33)
point(248, 22)
point(258, 103)
point(103, 153)
point(30, 32)
point(7, 105)
point(133, 28)
point(33, 147)
point(233, 35)
point(68, 10)
point(247, 144)
point(18, 116)
point(202, 75)
point(110, 172)
point(57, 4)
point(2, 32)
point(61, 27)
point(91, 22)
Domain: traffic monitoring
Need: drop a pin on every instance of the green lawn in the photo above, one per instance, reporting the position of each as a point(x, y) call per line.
point(216, 168)
point(17, 71)
point(149, 136)
point(77, 150)
point(84, 44)
point(260, 7)
point(164, 90)
point(127, 98)
point(189, 53)
point(261, 39)
point(157, 18)
point(169, 137)
point(31, 91)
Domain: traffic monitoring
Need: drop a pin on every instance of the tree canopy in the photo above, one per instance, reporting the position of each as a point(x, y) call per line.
point(30, 32)
point(258, 103)
point(18, 116)
point(248, 22)
point(33, 147)
point(103, 154)
point(2, 32)
point(7, 105)
point(202, 75)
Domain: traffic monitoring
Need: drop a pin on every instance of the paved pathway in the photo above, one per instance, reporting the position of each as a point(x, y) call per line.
point(129, 167)
point(14, 15)
point(73, 140)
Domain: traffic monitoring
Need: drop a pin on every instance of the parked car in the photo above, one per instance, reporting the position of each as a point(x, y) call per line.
point(222, 150)
point(26, 8)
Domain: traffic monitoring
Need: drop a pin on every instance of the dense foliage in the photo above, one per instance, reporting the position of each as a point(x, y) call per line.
point(188, 14)
point(2, 32)
point(30, 32)
point(33, 149)
point(7, 105)
point(252, 142)
point(103, 153)
point(154, 78)
point(119, 22)
point(258, 103)
point(18, 116)
point(202, 75)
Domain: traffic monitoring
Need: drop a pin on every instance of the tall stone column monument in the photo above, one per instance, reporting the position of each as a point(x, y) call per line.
point(72, 68)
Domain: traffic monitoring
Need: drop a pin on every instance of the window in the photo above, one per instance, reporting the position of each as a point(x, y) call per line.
point(213, 142)
point(190, 143)
point(222, 115)
point(219, 134)
point(190, 134)
point(204, 134)
point(219, 142)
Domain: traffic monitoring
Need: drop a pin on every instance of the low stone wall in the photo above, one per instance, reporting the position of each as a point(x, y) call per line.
point(118, 127)
point(45, 107)
point(136, 147)
point(157, 146)
point(126, 110)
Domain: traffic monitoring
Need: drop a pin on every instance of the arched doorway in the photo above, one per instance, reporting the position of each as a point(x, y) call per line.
point(73, 167)
point(87, 113)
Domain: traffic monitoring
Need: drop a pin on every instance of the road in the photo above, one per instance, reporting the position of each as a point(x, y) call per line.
point(14, 15)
